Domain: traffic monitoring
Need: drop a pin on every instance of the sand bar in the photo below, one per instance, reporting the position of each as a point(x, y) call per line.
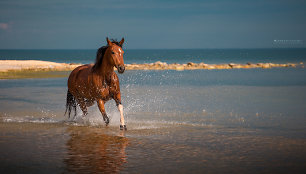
point(17, 65)
point(17, 69)
point(37, 65)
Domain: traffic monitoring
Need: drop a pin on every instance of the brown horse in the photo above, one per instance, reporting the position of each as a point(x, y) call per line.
point(98, 82)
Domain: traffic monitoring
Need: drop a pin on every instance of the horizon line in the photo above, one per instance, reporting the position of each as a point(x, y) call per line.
point(151, 48)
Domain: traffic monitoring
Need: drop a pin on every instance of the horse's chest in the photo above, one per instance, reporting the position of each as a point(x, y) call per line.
point(102, 88)
point(104, 92)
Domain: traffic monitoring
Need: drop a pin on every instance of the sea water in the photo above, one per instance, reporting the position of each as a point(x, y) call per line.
point(210, 56)
point(215, 121)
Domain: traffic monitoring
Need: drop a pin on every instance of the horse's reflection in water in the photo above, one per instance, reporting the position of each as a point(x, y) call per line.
point(91, 151)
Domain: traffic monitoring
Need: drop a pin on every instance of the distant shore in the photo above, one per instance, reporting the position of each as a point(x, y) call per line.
point(12, 69)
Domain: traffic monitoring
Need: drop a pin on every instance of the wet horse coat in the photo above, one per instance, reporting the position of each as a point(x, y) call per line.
point(98, 82)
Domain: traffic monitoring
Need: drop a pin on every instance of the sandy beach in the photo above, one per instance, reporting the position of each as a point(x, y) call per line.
point(15, 65)
point(18, 69)
point(13, 69)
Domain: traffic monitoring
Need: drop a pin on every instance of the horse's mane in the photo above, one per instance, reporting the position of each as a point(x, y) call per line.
point(100, 54)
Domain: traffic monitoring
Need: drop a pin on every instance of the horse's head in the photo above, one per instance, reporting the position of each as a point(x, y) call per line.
point(116, 54)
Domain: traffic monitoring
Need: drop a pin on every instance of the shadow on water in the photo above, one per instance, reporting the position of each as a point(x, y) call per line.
point(90, 151)
point(58, 148)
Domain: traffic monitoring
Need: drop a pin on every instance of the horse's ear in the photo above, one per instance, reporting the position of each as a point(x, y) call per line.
point(121, 42)
point(108, 41)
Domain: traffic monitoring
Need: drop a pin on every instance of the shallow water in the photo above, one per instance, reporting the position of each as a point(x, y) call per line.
point(220, 121)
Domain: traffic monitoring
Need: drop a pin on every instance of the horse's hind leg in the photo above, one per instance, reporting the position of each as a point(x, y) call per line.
point(102, 110)
point(89, 103)
point(82, 105)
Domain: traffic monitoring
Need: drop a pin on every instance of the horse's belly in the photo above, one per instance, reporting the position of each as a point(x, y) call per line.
point(95, 94)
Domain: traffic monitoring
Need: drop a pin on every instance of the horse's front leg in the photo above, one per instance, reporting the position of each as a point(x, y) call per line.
point(117, 99)
point(100, 103)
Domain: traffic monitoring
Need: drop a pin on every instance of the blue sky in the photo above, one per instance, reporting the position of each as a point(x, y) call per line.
point(148, 24)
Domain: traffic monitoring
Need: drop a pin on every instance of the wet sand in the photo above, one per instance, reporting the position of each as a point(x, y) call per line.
point(14, 69)
point(63, 148)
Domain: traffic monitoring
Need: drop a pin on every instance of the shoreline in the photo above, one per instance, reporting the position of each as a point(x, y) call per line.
point(34, 65)
point(14, 69)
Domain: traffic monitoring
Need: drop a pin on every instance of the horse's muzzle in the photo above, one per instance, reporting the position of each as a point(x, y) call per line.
point(121, 68)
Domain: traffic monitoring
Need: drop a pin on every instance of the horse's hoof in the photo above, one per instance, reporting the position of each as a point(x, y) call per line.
point(106, 120)
point(123, 127)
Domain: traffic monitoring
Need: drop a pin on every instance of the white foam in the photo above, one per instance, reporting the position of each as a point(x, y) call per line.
point(29, 119)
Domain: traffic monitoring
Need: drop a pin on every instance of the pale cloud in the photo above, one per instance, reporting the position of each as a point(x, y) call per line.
point(4, 26)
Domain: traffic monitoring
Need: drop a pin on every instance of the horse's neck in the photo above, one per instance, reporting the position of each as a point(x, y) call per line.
point(106, 69)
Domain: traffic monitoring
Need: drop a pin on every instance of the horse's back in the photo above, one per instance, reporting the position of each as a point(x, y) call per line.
point(79, 76)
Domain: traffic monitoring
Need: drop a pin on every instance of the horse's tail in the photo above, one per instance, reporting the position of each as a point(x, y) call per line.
point(70, 103)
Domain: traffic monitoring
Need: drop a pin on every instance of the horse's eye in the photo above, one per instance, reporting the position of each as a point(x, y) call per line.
point(113, 52)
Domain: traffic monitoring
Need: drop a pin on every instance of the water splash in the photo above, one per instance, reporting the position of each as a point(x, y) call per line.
point(28, 119)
